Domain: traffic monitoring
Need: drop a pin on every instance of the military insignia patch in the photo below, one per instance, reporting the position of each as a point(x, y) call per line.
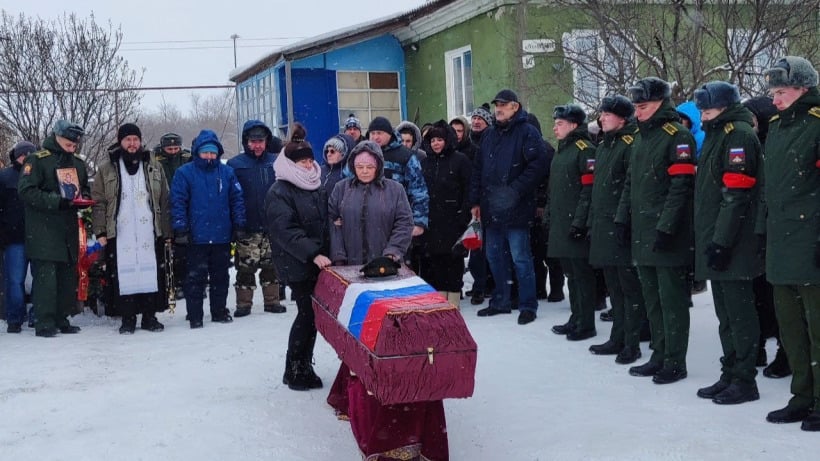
point(737, 156)
point(683, 152)
point(590, 164)
point(27, 169)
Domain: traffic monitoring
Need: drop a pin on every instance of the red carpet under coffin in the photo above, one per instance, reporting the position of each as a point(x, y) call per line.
point(415, 348)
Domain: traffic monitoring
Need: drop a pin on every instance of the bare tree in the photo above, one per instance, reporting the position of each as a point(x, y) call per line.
point(686, 42)
point(64, 68)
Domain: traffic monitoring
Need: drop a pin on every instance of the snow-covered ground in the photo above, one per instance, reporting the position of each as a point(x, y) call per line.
point(217, 394)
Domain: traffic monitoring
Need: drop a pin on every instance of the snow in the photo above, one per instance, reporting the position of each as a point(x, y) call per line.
point(217, 394)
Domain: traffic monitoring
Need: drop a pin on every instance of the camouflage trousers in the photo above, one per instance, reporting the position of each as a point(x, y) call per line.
point(254, 254)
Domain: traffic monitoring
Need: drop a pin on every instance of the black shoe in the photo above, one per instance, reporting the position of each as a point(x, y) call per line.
point(151, 324)
point(14, 328)
point(476, 298)
point(129, 324)
point(628, 355)
point(779, 368)
point(737, 393)
point(275, 308)
point(69, 329)
point(606, 316)
point(669, 375)
point(788, 414)
point(580, 335)
point(564, 328)
point(709, 392)
point(300, 376)
point(762, 358)
point(812, 422)
point(526, 317)
point(46, 332)
point(196, 324)
point(222, 318)
point(555, 296)
point(608, 348)
point(242, 312)
point(647, 369)
point(491, 311)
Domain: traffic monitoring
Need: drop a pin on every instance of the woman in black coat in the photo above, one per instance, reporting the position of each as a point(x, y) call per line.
point(447, 174)
point(296, 211)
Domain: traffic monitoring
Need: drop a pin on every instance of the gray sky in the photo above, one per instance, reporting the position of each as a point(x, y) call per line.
point(187, 42)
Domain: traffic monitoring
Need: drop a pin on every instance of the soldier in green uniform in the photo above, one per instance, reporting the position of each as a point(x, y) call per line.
point(611, 165)
point(792, 190)
point(727, 190)
point(570, 189)
point(52, 232)
point(655, 211)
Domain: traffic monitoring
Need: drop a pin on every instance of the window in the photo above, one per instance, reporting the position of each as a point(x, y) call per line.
point(458, 70)
point(257, 100)
point(743, 43)
point(599, 67)
point(368, 95)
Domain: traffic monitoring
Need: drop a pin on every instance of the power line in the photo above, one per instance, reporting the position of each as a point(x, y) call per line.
point(208, 40)
point(200, 47)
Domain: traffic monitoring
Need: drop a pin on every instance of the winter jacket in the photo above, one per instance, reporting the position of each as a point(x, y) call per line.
point(331, 174)
point(511, 162)
point(12, 214)
point(447, 175)
point(403, 167)
point(611, 165)
point(206, 200)
point(727, 194)
point(690, 111)
point(52, 234)
point(792, 192)
point(298, 229)
point(659, 190)
point(171, 163)
point(571, 175)
point(368, 220)
point(256, 176)
point(107, 191)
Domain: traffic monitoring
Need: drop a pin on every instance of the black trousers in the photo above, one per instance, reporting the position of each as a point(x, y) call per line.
point(207, 264)
point(302, 337)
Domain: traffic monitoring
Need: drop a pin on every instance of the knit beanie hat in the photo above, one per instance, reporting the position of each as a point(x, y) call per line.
point(208, 148)
point(483, 111)
point(618, 105)
point(571, 113)
point(649, 89)
point(716, 95)
point(380, 124)
point(128, 129)
point(353, 122)
point(791, 71)
point(297, 148)
point(337, 144)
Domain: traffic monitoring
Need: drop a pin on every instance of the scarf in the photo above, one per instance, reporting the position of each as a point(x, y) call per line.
point(287, 170)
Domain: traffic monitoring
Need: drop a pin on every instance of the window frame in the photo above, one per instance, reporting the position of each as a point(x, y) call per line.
point(466, 88)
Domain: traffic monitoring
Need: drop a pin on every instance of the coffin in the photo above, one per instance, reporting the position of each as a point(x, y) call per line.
point(403, 340)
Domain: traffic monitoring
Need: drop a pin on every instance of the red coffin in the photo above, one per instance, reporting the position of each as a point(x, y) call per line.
point(413, 348)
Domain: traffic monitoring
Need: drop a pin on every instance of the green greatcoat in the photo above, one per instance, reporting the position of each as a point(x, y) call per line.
point(658, 193)
point(52, 234)
point(727, 189)
point(611, 166)
point(171, 163)
point(792, 192)
point(568, 197)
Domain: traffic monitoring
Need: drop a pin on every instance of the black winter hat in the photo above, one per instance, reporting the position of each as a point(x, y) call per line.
point(382, 266)
point(21, 148)
point(716, 95)
point(571, 113)
point(618, 105)
point(380, 124)
point(170, 139)
point(649, 89)
point(791, 71)
point(257, 133)
point(505, 95)
point(128, 129)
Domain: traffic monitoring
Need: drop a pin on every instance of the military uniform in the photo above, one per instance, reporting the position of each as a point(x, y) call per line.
point(52, 233)
point(657, 204)
point(727, 188)
point(570, 189)
point(611, 165)
point(792, 190)
point(170, 164)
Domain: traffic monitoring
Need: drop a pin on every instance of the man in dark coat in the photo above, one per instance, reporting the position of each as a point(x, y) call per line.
point(727, 190)
point(480, 120)
point(655, 213)
point(612, 160)
point(254, 170)
point(793, 230)
point(52, 232)
point(13, 237)
point(511, 162)
point(571, 177)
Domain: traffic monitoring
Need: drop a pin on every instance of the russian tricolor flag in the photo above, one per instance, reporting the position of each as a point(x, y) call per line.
point(365, 304)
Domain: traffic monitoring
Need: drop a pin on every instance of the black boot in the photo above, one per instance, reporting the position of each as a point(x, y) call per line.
point(606, 316)
point(709, 392)
point(14, 327)
point(150, 323)
point(580, 335)
point(299, 375)
point(788, 414)
point(647, 369)
point(669, 375)
point(737, 393)
point(129, 324)
point(608, 348)
point(779, 368)
point(628, 355)
point(564, 328)
point(812, 422)
point(556, 294)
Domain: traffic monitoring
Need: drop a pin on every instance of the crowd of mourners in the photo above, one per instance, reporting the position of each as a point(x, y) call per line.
point(642, 205)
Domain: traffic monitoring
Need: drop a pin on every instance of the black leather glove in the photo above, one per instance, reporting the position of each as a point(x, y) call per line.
point(663, 242)
point(181, 238)
point(240, 235)
point(66, 204)
point(718, 257)
point(577, 233)
point(623, 235)
point(817, 254)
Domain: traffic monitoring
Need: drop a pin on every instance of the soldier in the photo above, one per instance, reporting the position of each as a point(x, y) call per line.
point(570, 189)
point(727, 187)
point(52, 232)
point(655, 214)
point(254, 171)
point(793, 266)
point(611, 165)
